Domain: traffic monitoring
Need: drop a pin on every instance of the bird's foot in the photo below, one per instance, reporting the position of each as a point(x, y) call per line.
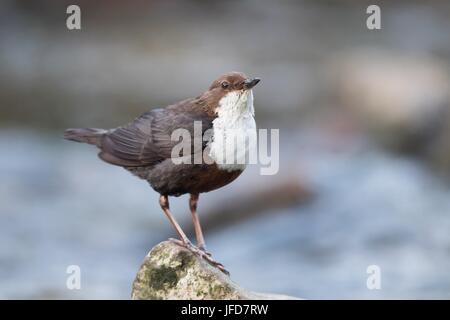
point(203, 248)
point(200, 252)
point(178, 242)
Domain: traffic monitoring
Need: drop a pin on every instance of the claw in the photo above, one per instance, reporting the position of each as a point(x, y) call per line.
point(178, 242)
point(203, 248)
point(200, 252)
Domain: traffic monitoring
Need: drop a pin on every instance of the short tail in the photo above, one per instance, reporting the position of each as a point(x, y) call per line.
point(85, 135)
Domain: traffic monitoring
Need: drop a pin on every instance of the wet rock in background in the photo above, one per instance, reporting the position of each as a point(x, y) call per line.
point(439, 153)
point(253, 202)
point(399, 97)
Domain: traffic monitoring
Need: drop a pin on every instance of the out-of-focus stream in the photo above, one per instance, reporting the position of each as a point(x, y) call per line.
point(60, 205)
point(325, 76)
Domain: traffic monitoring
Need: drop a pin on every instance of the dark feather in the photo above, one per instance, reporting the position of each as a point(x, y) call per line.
point(147, 140)
point(86, 135)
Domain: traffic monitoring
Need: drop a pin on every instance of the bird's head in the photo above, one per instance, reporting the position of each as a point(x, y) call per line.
point(232, 92)
point(233, 81)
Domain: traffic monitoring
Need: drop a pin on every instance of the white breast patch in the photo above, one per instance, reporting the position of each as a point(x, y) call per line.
point(235, 122)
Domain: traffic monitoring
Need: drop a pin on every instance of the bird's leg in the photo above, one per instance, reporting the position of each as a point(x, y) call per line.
point(193, 200)
point(164, 203)
point(184, 242)
point(201, 250)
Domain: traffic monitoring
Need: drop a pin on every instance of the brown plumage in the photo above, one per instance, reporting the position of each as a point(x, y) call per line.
point(144, 148)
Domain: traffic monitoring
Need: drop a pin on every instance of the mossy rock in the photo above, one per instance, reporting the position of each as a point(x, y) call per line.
point(170, 271)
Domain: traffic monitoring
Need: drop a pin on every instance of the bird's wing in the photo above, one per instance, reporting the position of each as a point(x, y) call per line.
point(147, 140)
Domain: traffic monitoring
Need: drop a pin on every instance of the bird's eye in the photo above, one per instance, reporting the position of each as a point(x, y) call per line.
point(225, 84)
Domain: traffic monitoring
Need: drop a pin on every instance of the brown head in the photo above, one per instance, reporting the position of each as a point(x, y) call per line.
point(233, 81)
point(230, 82)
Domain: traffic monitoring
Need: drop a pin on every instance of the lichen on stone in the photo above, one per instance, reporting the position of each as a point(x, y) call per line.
point(170, 271)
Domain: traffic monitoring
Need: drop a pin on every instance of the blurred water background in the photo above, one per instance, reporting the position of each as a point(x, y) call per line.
point(364, 155)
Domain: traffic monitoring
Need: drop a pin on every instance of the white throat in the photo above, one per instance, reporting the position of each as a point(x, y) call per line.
point(235, 122)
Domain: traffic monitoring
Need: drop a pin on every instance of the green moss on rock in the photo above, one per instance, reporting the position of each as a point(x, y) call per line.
point(161, 277)
point(170, 271)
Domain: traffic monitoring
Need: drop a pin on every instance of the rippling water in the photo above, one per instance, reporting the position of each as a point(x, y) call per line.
point(60, 205)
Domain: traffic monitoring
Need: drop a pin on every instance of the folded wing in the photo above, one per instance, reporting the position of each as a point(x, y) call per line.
point(147, 141)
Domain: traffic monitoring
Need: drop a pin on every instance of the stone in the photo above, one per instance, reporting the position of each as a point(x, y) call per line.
point(400, 97)
point(170, 271)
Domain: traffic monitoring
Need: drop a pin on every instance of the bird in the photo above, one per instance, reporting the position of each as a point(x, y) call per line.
point(145, 147)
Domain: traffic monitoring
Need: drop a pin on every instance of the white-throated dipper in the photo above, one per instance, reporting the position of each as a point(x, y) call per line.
point(144, 146)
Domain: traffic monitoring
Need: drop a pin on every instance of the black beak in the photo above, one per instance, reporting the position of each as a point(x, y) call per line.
point(250, 83)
